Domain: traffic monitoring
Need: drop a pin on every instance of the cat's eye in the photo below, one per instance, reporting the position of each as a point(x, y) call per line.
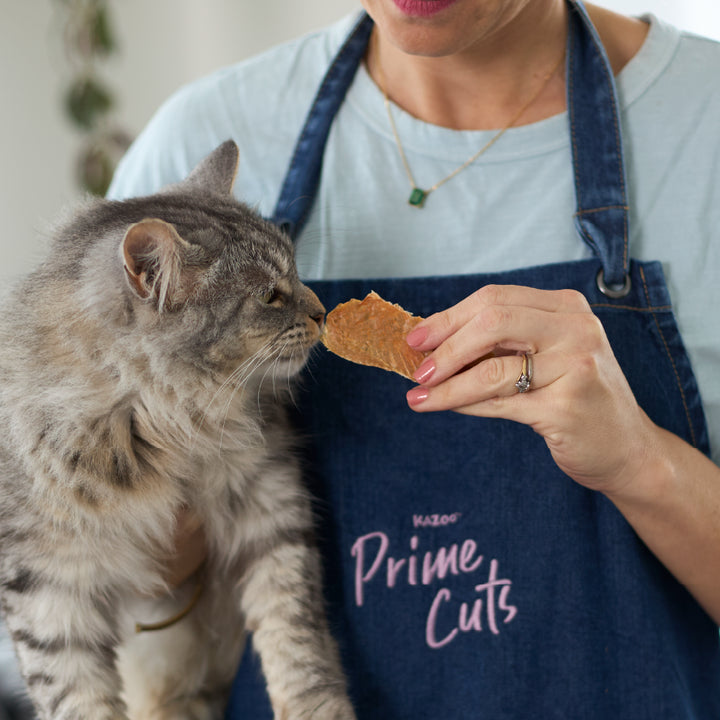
point(270, 297)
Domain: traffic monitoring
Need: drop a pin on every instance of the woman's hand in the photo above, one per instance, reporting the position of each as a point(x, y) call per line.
point(579, 399)
point(581, 403)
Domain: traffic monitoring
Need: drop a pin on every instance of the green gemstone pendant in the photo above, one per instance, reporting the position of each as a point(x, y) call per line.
point(417, 197)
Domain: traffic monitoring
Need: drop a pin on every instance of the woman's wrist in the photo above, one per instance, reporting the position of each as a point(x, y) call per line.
point(649, 473)
point(673, 504)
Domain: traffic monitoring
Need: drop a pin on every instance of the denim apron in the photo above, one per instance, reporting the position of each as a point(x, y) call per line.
point(467, 576)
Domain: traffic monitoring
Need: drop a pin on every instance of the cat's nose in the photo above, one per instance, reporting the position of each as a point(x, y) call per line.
point(319, 318)
point(314, 308)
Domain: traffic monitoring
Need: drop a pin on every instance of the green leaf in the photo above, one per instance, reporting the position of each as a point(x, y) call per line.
point(86, 101)
point(102, 36)
point(95, 170)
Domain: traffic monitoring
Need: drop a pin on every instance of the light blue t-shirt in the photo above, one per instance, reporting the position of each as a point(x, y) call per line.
point(489, 217)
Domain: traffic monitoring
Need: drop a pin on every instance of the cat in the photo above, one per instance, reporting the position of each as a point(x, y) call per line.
point(144, 368)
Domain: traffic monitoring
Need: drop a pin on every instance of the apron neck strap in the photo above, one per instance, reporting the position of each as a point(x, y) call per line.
point(601, 205)
point(601, 215)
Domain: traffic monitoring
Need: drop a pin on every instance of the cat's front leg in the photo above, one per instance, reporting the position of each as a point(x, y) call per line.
point(283, 606)
point(66, 645)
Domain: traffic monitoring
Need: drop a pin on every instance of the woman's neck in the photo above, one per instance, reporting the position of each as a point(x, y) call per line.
point(484, 84)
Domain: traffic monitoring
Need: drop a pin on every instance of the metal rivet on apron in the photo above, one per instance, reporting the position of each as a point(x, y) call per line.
point(613, 291)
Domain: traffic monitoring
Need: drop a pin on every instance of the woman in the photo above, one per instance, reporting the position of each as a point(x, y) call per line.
point(551, 549)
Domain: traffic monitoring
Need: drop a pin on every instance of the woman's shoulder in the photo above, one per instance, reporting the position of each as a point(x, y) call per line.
point(622, 36)
point(671, 68)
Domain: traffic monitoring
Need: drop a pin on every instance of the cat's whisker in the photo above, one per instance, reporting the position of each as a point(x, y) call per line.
point(263, 356)
point(246, 370)
point(289, 373)
point(280, 351)
point(217, 393)
point(235, 379)
point(307, 367)
point(271, 367)
point(288, 366)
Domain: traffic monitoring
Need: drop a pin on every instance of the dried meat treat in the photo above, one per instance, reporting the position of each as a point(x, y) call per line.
point(372, 332)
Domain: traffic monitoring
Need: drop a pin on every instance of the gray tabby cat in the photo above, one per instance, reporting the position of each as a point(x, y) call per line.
point(140, 368)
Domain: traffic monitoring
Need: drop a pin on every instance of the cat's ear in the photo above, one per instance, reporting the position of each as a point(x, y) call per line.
point(216, 173)
point(150, 253)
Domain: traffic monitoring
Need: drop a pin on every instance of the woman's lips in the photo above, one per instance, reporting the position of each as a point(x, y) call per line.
point(423, 8)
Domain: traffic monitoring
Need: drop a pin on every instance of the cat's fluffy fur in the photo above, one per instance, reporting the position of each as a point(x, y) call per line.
point(140, 368)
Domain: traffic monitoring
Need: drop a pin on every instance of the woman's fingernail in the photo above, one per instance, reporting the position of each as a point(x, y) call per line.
point(426, 369)
point(417, 336)
point(416, 396)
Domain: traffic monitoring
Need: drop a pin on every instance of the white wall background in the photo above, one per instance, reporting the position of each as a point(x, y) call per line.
point(164, 43)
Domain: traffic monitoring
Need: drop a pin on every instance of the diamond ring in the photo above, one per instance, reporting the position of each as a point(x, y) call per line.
point(523, 382)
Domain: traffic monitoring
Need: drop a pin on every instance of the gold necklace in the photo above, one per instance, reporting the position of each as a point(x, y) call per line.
point(418, 195)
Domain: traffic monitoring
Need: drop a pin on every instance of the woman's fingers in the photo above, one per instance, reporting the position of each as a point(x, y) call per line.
point(511, 328)
point(503, 330)
point(437, 328)
point(492, 377)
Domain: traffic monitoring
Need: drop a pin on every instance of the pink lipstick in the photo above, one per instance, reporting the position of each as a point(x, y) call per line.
point(423, 8)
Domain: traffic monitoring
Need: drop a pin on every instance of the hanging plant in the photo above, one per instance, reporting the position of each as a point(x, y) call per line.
point(89, 103)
